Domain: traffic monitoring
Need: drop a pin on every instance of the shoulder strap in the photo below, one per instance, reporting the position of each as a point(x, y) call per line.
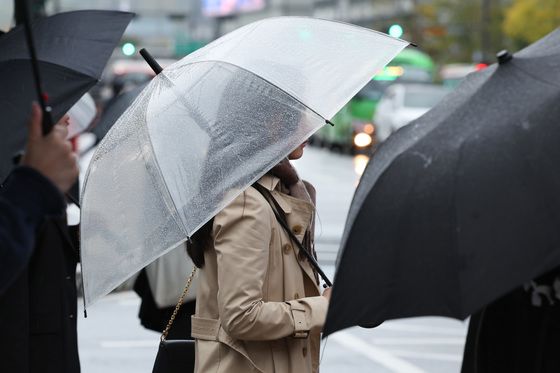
point(281, 217)
point(179, 304)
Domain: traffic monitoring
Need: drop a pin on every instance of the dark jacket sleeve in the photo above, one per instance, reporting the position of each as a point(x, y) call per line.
point(25, 199)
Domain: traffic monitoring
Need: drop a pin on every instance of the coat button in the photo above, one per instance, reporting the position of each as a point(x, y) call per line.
point(297, 229)
point(304, 351)
point(296, 296)
point(71, 316)
point(287, 248)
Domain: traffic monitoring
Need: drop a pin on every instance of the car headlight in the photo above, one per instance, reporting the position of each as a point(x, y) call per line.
point(369, 128)
point(361, 140)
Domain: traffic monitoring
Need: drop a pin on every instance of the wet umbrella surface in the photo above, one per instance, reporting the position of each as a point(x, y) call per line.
point(462, 205)
point(210, 125)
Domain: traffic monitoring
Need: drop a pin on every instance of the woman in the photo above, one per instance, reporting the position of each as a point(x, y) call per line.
point(259, 305)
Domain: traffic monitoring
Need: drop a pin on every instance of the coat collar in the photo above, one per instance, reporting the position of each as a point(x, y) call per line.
point(268, 181)
point(272, 183)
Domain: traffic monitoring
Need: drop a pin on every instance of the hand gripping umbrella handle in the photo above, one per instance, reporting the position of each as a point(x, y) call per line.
point(282, 220)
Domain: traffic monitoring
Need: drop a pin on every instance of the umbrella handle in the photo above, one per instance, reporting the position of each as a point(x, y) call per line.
point(151, 61)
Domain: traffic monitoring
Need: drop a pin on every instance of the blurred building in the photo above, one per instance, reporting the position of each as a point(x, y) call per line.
point(141, 7)
point(174, 28)
point(368, 13)
point(161, 26)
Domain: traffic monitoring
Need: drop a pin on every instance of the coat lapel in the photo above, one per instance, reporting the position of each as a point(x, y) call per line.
point(299, 214)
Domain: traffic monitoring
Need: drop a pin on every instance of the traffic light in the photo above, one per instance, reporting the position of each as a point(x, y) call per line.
point(396, 30)
point(128, 49)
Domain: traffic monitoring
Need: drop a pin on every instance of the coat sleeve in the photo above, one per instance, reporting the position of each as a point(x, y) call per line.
point(242, 234)
point(25, 199)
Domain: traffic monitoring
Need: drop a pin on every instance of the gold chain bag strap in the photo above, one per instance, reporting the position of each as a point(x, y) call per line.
point(176, 355)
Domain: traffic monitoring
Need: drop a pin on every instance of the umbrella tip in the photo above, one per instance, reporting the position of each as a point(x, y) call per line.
point(151, 61)
point(503, 56)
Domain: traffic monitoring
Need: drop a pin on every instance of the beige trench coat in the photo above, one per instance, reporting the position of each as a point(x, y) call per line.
point(259, 307)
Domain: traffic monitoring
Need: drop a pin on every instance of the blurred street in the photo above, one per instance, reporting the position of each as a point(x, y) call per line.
point(111, 339)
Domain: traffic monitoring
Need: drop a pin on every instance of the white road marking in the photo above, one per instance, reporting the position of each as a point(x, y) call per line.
point(418, 341)
point(130, 302)
point(461, 330)
point(131, 344)
point(376, 354)
point(456, 358)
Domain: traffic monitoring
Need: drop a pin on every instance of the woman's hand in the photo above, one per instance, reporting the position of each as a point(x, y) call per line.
point(52, 154)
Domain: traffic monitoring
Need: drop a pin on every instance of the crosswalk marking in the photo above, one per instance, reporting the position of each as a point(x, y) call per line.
point(380, 356)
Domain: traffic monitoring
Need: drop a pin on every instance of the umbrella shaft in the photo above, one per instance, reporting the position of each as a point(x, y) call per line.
point(47, 119)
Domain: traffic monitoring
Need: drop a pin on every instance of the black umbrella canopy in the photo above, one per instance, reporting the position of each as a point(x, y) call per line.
point(72, 49)
point(114, 109)
point(462, 205)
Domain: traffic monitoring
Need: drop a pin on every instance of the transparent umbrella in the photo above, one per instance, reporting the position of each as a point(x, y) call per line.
point(209, 126)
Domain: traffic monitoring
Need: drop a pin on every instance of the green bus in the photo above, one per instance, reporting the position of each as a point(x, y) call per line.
point(353, 129)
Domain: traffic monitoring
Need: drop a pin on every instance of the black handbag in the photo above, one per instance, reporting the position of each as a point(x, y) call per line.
point(175, 356)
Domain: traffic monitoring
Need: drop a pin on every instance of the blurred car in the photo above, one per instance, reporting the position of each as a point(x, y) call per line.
point(452, 74)
point(402, 103)
point(353, 131)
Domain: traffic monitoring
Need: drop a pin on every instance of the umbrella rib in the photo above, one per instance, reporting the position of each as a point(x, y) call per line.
point(164, 76)
point(264, 80)
point(536, 77)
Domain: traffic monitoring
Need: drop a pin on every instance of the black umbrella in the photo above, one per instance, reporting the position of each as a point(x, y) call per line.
point(462, 205)
point(72, 50)
point(114, 109)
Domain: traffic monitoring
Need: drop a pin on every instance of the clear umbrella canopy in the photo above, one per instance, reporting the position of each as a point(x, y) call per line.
point(209, 126)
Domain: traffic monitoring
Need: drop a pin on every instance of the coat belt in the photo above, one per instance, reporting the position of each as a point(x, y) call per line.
point(206, 329)
point(210, 330)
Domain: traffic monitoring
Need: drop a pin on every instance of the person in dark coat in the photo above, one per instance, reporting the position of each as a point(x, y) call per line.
point(25, 199)
point(38, 300)
point(31, 192)
point(518, 333)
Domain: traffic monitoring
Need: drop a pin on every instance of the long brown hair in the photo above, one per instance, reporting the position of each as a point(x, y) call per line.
point(199, 242)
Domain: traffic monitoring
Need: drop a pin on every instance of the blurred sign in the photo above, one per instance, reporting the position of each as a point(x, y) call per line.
point(223, 8)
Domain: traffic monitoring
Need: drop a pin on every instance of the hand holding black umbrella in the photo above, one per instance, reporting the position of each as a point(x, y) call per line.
point(66, 53)
point(47, 121)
